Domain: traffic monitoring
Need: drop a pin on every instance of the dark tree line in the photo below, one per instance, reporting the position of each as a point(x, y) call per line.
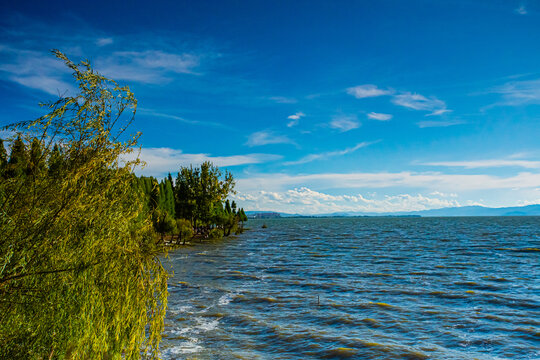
point(195, 204)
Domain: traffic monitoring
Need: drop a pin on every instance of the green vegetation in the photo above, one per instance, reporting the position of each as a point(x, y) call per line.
point(80, 276)
point(79, 272)
point(195, 204)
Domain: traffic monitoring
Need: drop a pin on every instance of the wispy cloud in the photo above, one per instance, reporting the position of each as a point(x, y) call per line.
point(152, 113)
point(295, 118)
point(430, 124)
point(160, 161)
point(379, 116)
point(488, 163)
point(439, 112)
point(521, 10)
point(266, 137)
point(36, 70)
point(283, 100)
point(420, 102)
point(329, 154)
point(519, 92)
point(368, 90)
point(104, 41)
point(149, 66)
point(345, 122)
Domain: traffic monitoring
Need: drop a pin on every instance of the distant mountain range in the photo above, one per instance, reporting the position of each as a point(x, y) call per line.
point(529, 210)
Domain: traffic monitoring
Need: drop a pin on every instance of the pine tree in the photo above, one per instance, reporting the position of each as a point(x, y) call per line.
point(154, 194)
point(3, 158)
point(36, 163)
point(18, 158)
point(55, 162)
point(169, 197)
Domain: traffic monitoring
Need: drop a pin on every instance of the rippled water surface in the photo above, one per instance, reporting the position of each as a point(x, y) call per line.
point(359, 288)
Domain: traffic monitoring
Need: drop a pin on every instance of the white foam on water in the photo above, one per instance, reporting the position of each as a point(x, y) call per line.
point(187, 347)
point(177, 332)
point(180, 309)
point(225, 299)
point(206, 325)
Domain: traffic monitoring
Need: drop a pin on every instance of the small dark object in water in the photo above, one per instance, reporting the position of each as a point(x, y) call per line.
point(264, 226)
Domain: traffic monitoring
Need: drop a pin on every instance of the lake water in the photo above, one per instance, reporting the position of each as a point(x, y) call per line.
point(359, 288)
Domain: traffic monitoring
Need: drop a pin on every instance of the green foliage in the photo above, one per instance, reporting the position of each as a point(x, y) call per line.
point(164, 223)
point(79, 272)
point(3, 157)
point(198, 197)
point(198, 191)
point(184, 229)
point(55, 162)
point(18, 159)
point(242, 215)
point(166, 200)
point(215, 233)
point(36, 161)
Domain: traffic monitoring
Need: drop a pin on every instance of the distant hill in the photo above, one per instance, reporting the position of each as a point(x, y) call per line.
point(529, 210)
point(262, 215)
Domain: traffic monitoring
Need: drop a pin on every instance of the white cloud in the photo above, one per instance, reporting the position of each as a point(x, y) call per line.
point(150, 66)
point(519, 92)
point(439, 112)
point(430, 124)
point(47, 84)
point(160, 161)
point(432, 181)
point(36, 70)
point(368, 90)
point(379, 116)
point(326, 155)
point(490, 163)
point(440, 194)
point(521, 10)
point(156, 59)
point(267, 137)
point(294, 118)
point(307, 201)
point(152, 113)
point(104, 41)
point(283, 100)
point(420, 102)
point(345, 122)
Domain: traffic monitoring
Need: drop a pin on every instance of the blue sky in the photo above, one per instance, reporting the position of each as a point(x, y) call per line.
point(315, 106)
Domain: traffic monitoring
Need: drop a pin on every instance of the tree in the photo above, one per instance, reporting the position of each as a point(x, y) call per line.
point(17, 159)
point(242, 217)
point(80, 275)
point(3, 158)
point(55, 162)
point(163, 222)
point(36, 161)
point(184, 229)
point(198, 191)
